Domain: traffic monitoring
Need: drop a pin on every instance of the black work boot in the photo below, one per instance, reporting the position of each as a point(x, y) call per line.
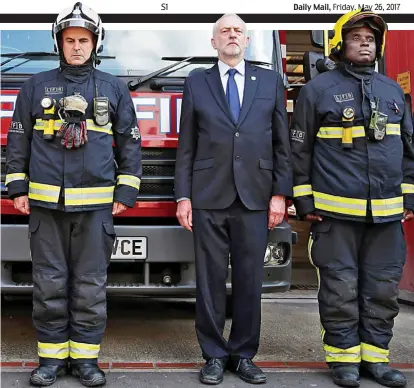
point(47, 374)
point(213, 371)
point(383, 374)
point(90, 375)
point(248, 371)
point(346, 375)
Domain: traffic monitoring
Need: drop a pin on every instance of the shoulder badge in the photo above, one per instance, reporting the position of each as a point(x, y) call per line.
point(135, 133)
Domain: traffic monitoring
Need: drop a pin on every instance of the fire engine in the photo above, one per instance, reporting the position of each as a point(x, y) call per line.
point(152, 254)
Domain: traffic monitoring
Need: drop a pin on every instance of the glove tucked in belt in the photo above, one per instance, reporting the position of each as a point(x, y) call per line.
point(73, 131)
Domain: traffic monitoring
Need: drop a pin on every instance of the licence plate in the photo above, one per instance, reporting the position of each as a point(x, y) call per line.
point(129, 248)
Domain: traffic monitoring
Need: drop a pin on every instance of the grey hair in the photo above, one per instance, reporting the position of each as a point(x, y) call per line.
point(227, 15)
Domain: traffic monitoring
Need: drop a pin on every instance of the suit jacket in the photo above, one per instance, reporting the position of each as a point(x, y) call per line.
point(218, 158)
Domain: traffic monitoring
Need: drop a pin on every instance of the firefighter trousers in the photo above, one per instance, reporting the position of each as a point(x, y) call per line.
point(359, 266)
point(70, 255)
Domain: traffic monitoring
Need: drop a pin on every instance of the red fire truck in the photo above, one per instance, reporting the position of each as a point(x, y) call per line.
point(153, 254)
point(399, 65)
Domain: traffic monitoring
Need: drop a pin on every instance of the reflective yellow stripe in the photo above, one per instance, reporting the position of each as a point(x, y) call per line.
point(128, 180)
point(91, 126)
point(333, 354)
point(336, 132)
point(301, 190)
point(83, 350)
point(42, 192)
point(89, 196)
point(393, 129)
point(342, 205)
point(48, 350)
point(310, 244)
point(372, 353)
point(407, 188)
point(387, 207)
point(357, 131)
point(16, 177)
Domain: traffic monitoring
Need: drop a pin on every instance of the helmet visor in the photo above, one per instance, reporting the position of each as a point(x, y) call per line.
point(77, 23)
point(373, 21)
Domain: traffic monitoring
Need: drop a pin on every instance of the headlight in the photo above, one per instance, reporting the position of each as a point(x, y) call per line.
point(276, 253)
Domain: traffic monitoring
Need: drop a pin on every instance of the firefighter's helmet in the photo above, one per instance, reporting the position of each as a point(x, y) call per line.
point(355, 19)
point(79, 16)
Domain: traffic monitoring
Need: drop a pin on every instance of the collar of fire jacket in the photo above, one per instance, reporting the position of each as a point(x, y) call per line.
point(357, 71)
point(77, 73)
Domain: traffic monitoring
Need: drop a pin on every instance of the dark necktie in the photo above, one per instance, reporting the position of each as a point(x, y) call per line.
point(233, 94)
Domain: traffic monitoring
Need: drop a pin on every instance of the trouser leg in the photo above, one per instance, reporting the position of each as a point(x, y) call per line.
point(382, 258)
point(249, 235)
point(333, 250)
point(92, 240)
point(49, 244)
point(211, 243)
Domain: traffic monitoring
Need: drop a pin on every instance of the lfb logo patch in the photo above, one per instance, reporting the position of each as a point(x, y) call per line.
point(297, 135)
point(344, 97)
point(135, 133)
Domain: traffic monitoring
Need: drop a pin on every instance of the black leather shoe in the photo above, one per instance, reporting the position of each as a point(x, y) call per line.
point(346, 375)
point(213, 371)
point(249, 372)
point(45, 375)
point(90, 375)
point(383, 374)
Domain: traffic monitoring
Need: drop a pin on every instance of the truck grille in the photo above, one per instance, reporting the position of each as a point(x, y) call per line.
point(157, 182)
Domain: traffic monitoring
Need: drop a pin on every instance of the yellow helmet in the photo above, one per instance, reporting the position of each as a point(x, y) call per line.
point(356, 19)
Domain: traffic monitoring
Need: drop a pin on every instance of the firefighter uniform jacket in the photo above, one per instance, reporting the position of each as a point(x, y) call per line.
point(88, 178)
point(363, 180)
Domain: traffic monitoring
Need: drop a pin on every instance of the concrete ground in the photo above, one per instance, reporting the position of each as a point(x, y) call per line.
point(187, 379)
point(162, 331)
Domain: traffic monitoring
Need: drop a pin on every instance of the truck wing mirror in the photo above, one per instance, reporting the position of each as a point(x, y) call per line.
point(317, 38)
point(315, 63)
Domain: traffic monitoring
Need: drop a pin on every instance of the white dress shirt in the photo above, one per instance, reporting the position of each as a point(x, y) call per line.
point(238, 77)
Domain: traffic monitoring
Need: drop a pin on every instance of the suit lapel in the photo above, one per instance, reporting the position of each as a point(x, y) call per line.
point(251, 80)
point(216, 87)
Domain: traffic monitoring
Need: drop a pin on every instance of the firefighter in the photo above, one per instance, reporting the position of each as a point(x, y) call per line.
point(351, 138)
point(73, 162)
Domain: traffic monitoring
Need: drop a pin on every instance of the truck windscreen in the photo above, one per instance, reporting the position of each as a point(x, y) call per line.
point(128, 53)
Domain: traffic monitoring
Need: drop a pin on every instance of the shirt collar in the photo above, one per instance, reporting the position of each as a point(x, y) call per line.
point(224, 67)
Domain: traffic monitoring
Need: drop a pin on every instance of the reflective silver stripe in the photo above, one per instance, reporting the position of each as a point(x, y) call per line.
point(340, 356)
point(326, 132)
point(370, 353)
point(49, 350)
point(42, 192)
point(342, 205)
point(387, 207)
point(358, 132)
point(407, 188)
point(393, 129)
point(337, 132)
point(82, 350)
point(128, 180)
point(89, 196)
point(16, 177)
point(333, 354)
point(299, 191)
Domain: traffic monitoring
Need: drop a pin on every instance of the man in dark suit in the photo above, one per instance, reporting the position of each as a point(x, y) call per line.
point(233, 172)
